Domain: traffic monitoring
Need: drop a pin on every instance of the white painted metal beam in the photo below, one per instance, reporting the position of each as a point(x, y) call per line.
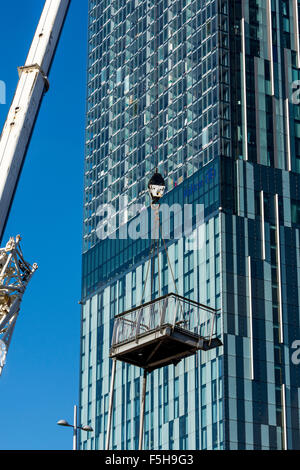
point(33, 83)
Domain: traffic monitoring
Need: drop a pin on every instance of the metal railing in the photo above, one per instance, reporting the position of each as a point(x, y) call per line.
point(172, 310)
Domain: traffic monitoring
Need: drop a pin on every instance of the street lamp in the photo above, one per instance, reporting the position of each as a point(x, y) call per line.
point(75, 427)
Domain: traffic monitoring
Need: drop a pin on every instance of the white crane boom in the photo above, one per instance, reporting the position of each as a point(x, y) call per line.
point(33, 83)
point(15, 272)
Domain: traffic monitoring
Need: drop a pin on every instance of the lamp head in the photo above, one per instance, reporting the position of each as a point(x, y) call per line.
point(63, 422)
point(87, 428)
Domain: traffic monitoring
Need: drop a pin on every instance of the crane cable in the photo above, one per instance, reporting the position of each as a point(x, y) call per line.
point(154, 119)
point(153, 249)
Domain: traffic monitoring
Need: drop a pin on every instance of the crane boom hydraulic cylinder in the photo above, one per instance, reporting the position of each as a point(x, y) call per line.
point(33, 83)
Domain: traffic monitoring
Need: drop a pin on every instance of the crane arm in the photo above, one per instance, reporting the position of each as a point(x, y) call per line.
point(33, 83)
point(15, 274)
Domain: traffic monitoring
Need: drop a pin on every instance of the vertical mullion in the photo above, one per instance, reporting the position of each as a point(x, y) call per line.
point(250, 317)
point(263, 238)
point(278, 251)
point(245, 89)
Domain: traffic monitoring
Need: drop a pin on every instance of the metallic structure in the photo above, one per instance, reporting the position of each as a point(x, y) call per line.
point(15, 274)
point(33, 83)
point(163, 332)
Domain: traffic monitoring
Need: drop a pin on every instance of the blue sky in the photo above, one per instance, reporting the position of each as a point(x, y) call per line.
point(40, 382)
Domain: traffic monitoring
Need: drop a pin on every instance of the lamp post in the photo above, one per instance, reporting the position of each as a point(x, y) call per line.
point(75, 427)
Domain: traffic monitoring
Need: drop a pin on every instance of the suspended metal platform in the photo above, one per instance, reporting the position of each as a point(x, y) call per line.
point(159, 333)
point(163, 332)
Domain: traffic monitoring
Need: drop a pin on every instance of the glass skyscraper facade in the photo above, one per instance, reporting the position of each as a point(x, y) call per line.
point(205, 91)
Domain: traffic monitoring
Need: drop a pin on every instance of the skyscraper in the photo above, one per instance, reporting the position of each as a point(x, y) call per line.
point(205, 91)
